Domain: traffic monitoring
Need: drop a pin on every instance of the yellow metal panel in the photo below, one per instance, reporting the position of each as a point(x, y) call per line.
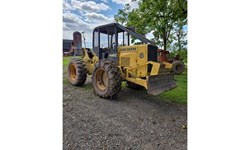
point(90, 68)
point(142, 58)
point(125, 61)
point(138, 55)
point(167, 65)
point(155, 68)
point(89, 62)
point(142, 82)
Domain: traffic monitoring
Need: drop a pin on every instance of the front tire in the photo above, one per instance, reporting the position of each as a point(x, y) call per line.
point(106, 79)
point(77, 72)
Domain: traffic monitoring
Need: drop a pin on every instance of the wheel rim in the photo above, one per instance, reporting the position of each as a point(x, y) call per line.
point(101, 79)
point(72, 72)
point(178, 67)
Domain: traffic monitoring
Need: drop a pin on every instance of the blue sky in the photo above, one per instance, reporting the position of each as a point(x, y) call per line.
point(84, 15)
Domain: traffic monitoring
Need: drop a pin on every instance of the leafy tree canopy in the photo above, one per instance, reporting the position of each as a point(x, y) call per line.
point(165, 18)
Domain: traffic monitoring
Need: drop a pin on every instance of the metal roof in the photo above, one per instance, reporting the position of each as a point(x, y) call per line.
point(109, 29)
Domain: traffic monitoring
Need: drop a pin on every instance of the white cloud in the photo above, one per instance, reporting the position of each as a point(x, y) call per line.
point(89, 6)
point(73, 22)
point(82, 15)
point(124, 2)
point(66, 6)
point(150, 35)
point(94, 17)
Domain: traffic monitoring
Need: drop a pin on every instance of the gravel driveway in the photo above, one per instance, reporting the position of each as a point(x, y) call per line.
point(134, 120)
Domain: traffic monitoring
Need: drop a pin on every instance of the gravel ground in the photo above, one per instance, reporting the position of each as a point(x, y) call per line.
point(134, 120)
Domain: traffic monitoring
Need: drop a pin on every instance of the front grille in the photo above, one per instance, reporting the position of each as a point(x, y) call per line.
point(125, 61)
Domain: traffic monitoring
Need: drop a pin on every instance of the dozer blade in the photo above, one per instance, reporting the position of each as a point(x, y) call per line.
point(160, 83)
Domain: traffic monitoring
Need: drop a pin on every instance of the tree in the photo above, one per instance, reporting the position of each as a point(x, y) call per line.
point(159, 16)
point(180, 35)
point(122, 16)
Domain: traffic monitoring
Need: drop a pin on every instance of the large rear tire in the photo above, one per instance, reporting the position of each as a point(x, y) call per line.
point(77, 72)
point(178, 67)
point(106, 79)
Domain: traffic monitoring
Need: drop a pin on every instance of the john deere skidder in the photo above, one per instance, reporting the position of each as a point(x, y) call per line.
point(114, 60)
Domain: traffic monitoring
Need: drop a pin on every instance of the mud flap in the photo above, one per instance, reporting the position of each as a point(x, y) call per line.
point(160, 83)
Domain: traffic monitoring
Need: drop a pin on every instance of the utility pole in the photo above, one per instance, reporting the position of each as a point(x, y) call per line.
point(83, 39)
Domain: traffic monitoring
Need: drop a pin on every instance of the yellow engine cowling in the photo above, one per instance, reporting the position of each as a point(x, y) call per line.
point(140, 66)
point(132, 56)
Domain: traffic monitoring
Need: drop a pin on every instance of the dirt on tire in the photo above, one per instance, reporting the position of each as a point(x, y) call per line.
point(133, 120)
point(113, 78)
point(77, 72)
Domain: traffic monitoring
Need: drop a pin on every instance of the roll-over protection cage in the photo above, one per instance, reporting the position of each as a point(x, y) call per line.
point(109, 32)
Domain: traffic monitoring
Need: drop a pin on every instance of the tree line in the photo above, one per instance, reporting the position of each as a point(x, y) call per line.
point(165, 19)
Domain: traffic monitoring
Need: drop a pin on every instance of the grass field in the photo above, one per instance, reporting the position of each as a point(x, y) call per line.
point(177, 95)
point(67, 59)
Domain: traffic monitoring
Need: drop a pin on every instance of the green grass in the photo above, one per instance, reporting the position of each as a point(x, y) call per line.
point(124, 84)
point(67, 59)
point(178, 94)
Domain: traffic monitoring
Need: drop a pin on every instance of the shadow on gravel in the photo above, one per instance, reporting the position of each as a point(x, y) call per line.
point(127, 94)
